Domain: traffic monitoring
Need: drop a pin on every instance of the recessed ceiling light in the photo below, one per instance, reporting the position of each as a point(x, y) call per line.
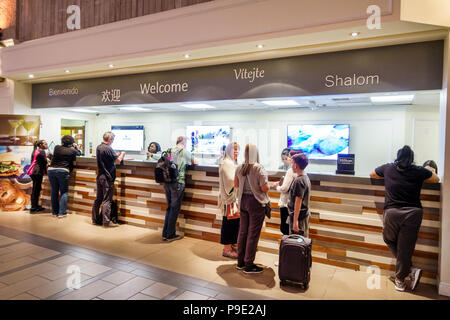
point(67, 71)
point(111, 65)
point(399, 98)
point(355, 34)
point(187, 56)
point(31, 76)
point(281, 103)
point(83, 110)
point(134, 109)
point(197, 106)
point(260, 46)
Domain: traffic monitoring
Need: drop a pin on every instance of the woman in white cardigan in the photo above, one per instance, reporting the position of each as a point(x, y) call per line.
point(228, 201)
point(283, 187)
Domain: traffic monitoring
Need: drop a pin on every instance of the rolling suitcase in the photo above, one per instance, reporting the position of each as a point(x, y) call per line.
point(295, 260)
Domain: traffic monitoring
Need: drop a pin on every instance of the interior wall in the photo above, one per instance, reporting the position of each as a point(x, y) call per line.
point(50, 120)
point(7, 96)
point(376, 133)
point(444, 255)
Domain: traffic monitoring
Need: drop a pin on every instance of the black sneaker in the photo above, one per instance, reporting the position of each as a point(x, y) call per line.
point(240, 266)
point(176, 237)
point(40, 209)
point(253, 269)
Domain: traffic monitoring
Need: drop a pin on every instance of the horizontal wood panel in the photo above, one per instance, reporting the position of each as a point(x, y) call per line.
point(42, 18)
point(338, 239)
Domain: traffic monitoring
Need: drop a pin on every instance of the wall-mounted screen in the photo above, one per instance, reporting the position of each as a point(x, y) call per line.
point(319, 141)
point(128, 138)
point(207, 139)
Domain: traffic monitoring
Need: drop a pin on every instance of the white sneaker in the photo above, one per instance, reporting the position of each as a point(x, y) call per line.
point(415, 275)
point(112, 225)
point(400, 286)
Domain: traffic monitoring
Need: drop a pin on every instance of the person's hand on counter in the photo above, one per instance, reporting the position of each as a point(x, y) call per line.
point(431, 169)
point(121, 156)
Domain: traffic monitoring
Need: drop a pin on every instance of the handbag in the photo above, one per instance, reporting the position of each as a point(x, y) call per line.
point(232, 211)
point(268, 210)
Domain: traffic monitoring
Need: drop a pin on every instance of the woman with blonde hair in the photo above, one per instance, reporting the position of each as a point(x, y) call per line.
point(228, 200)
point(252, 180)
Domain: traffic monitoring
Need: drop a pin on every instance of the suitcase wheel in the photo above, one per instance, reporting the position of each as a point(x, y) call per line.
point(282, 283)
point(305, 286)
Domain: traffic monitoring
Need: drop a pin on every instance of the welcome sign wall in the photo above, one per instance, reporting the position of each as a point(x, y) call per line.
point(416, 66)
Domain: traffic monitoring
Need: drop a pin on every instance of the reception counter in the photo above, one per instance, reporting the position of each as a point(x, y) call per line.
point(346, 221)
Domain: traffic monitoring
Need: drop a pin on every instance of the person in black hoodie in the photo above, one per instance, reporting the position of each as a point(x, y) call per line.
point(37, 171)
point(403, 212)
point(59, 171)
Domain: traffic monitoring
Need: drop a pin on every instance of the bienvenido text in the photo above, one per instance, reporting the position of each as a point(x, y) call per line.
point(248, 74)
point(334, 80)
point(155, 88)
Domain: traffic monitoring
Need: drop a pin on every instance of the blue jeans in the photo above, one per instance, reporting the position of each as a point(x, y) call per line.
point(174, 196)
point(59, 181)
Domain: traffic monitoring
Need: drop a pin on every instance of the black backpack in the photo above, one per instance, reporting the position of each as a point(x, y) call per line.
point(166, 170)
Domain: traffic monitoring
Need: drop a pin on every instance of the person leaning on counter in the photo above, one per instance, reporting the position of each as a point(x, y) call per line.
point(403, 212)
point(58, 173)
point(106, 164)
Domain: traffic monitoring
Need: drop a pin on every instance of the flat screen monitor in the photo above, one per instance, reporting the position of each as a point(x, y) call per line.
point(128, 138)
point(207, 139)
point(319, 141)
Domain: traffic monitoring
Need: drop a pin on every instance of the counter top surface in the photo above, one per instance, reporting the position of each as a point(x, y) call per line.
point(273, 175)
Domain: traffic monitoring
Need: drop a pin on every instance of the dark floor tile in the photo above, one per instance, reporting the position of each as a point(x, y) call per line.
point(150, 275)
point(241, 296)
point(9, 244)
point(188, 279)
point(174, 294)
point(30, 265)
point(191, 287)
point(82, 284)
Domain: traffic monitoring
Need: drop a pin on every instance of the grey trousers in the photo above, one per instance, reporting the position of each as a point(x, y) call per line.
point(303, 225)
point(400, 231)
point(105, 192)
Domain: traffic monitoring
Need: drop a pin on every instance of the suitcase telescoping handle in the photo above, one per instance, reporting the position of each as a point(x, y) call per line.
point(296, 235)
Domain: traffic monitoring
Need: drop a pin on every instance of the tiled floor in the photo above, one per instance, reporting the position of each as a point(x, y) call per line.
point(37, 251)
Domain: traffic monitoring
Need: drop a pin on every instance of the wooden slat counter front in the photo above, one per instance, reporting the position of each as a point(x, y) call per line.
point(346, 220)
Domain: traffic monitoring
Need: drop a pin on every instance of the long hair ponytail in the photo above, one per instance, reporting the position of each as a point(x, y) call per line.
point(36, 145)
point(251, 157)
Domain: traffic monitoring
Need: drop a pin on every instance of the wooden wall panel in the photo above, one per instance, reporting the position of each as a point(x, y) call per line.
point(42, 18)
point(342, 236)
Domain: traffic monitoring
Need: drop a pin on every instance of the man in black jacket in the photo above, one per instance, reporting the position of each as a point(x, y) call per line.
point(106, 164)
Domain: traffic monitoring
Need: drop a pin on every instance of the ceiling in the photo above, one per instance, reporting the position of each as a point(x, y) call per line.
point(429, 97)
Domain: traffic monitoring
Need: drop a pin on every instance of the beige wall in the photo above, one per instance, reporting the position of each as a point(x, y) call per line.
point(435, 12)
point(7, 96)
point(50, 120)
point(444, 263)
